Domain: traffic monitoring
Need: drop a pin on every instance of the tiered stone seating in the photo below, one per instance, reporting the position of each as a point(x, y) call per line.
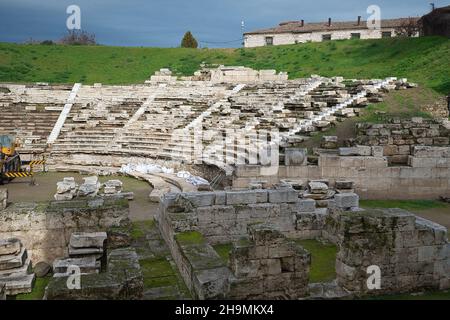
point(97, 115)
point(135, 121)
point(173, 108)
point(294, 116)
point(29, 113)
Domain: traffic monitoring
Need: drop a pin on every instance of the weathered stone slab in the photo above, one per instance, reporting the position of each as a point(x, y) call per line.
point(88, 240)
point(283, 195)
point(200, 199)
point(23, 284)
point(344, 184)
point(86, 265)
point(211, 283)
point(10, 246)
point(241, 197)
point(355, 151)
point(12, 261)
point(114, 284)
point(346, 200)
point(317, 187)
point(306, 205)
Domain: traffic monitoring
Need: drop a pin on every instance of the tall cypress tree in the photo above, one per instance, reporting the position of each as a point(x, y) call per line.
point(189, 41)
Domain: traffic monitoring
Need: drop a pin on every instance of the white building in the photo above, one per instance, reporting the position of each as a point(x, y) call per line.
point(292, 32)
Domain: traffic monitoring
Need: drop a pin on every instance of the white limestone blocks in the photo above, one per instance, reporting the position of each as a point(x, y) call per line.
point(3, 198)
point(163, 75)
point(113, 186)
point(83, 240)
point(66, 189)
point(90, 187)
point(242, 197)
point(69, 189)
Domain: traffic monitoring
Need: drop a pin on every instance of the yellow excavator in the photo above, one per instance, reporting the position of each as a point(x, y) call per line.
point(10, 164)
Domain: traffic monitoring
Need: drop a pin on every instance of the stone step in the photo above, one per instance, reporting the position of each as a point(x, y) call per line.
point(10, 246)
point(76, 252)
point(88, 240)
point(12, 261)
point(23, 284)
point(17, 272)
point(87, 265)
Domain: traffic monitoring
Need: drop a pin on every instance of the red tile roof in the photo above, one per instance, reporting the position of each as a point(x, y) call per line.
point(296, 26)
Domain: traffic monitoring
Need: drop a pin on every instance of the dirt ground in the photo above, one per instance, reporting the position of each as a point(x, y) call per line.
point(438, 215)
point(21, 190)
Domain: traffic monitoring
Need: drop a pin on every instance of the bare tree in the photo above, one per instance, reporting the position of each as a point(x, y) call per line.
point(407, 28)
point(78, 37)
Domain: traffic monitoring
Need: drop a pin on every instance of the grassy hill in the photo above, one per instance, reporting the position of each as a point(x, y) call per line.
point(424, 60)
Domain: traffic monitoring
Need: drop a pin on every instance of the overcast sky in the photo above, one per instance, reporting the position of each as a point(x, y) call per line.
point(162, 23)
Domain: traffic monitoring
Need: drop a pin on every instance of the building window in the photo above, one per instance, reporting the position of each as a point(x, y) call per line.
point(355, 36)
point(386, 34)
point(326, 37)
point(269, 41)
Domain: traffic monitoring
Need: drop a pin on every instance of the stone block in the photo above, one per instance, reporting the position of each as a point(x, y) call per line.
point(200, 199)
point(221, 198)
point(431, 152)
point(346, 200)
point(344, 184)
point(10, 246)
point(317, 187)
point(283, 195)
point(86, 264)
point(355, 151)
point(261, 196)
point(427, 253)
point(241, 197)
point(270, 266)
point(306, 205)
point(377, 151)
point(211, 283)
point(88, 240)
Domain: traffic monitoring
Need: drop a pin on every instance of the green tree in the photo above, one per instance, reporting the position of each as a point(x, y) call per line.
point(189, 41)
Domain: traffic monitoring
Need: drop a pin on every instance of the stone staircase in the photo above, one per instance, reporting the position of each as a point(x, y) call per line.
point(87, 251)
point(15, 267)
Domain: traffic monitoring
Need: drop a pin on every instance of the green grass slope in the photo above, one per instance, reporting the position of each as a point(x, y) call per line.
point(424, 60)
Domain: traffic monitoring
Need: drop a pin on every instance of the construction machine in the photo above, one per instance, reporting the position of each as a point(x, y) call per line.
point(10, 163)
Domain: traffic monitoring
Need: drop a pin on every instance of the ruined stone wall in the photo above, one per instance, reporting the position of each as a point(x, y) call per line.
point(400, 136)
point(223, 216)
point(412, 253)
point(427, 175)
point(45, 228)
point(266, 265)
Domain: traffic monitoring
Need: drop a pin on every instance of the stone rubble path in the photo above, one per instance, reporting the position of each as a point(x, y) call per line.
point(162, 280)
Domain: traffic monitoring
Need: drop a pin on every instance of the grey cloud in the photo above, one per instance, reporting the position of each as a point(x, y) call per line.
point(163, 22)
